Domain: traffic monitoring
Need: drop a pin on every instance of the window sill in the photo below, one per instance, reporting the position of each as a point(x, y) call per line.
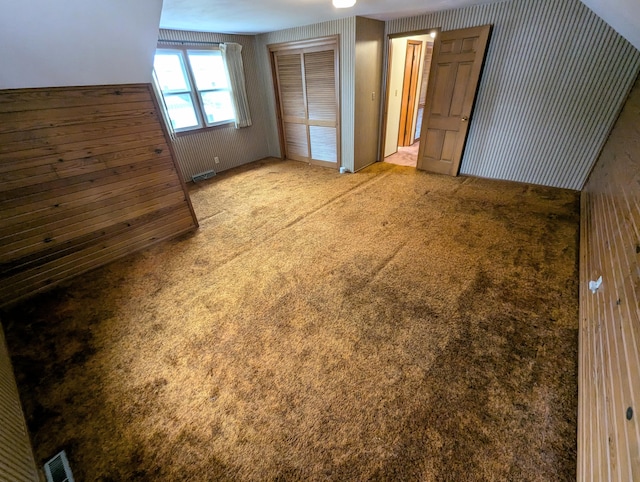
point(204, 129)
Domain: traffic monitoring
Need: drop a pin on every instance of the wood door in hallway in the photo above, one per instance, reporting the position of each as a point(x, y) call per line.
point(453, 81)
point(307, 90)
point(409, 89)
point(422, 98)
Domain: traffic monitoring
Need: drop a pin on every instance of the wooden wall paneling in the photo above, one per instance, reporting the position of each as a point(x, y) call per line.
point(73, 150)
point(113, 246)
point(21, 244)
point(609, 360)
point(87, 175)
point(11, 201)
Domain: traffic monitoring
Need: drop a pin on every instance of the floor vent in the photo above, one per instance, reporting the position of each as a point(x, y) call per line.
point(202, 176)
point(57, 469)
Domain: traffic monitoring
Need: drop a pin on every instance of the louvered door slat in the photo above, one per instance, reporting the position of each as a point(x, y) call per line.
point(291, 86)
point(296, 139)
point(321, 86)
point(323, 143)
point(294, 112)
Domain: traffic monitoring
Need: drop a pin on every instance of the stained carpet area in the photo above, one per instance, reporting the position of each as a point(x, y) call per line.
point(384, 325)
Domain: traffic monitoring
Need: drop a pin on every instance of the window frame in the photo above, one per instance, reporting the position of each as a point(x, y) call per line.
point(194, 93)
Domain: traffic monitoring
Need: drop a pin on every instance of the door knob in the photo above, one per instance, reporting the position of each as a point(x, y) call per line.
point(465, 118)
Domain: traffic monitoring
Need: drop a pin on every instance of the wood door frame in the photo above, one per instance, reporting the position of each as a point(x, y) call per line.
point(316, 44)
point(409, 83)
point(387, 90)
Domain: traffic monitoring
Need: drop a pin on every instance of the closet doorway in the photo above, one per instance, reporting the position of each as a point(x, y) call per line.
point(306, 81)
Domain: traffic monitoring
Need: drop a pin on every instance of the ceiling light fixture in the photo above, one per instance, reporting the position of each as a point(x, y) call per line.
point(344, 3)
point(433, 34)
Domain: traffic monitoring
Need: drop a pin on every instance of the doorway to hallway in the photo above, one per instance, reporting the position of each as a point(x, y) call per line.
point(407, 76)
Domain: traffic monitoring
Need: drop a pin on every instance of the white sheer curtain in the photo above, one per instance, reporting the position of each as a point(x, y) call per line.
point(163, 107)
point(231, 54)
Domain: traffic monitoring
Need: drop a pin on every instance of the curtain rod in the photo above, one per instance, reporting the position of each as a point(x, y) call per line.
point(183, 42)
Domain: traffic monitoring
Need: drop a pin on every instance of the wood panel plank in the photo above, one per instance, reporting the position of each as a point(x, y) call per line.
point(87, 255)
point(33, 263)
point(107, 252)
point(65, 146)
point(21, 100)
point(90, 243)
point(132, 141)
point(22, 244)
point(8, 125)
point(49, 135)
point(62, 115)
point(107, 158)
point(55, 216)
point(80, 182)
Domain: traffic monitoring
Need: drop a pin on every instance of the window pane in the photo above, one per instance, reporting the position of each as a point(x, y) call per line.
point(208, 69)
point(217, 106)
point(181, 111)
point(170, 71)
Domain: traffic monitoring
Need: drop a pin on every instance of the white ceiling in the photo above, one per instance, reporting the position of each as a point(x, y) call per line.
point(258, 16)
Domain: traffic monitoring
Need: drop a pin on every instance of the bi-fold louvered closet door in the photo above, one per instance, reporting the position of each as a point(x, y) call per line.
point(307, 89)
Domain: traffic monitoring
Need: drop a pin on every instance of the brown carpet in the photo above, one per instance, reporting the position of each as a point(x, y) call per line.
point(384, 325)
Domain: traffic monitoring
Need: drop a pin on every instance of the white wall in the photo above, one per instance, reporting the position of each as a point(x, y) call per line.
point(45, 43)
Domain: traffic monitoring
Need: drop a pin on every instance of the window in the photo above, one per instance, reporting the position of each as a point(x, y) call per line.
point(194, 86)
